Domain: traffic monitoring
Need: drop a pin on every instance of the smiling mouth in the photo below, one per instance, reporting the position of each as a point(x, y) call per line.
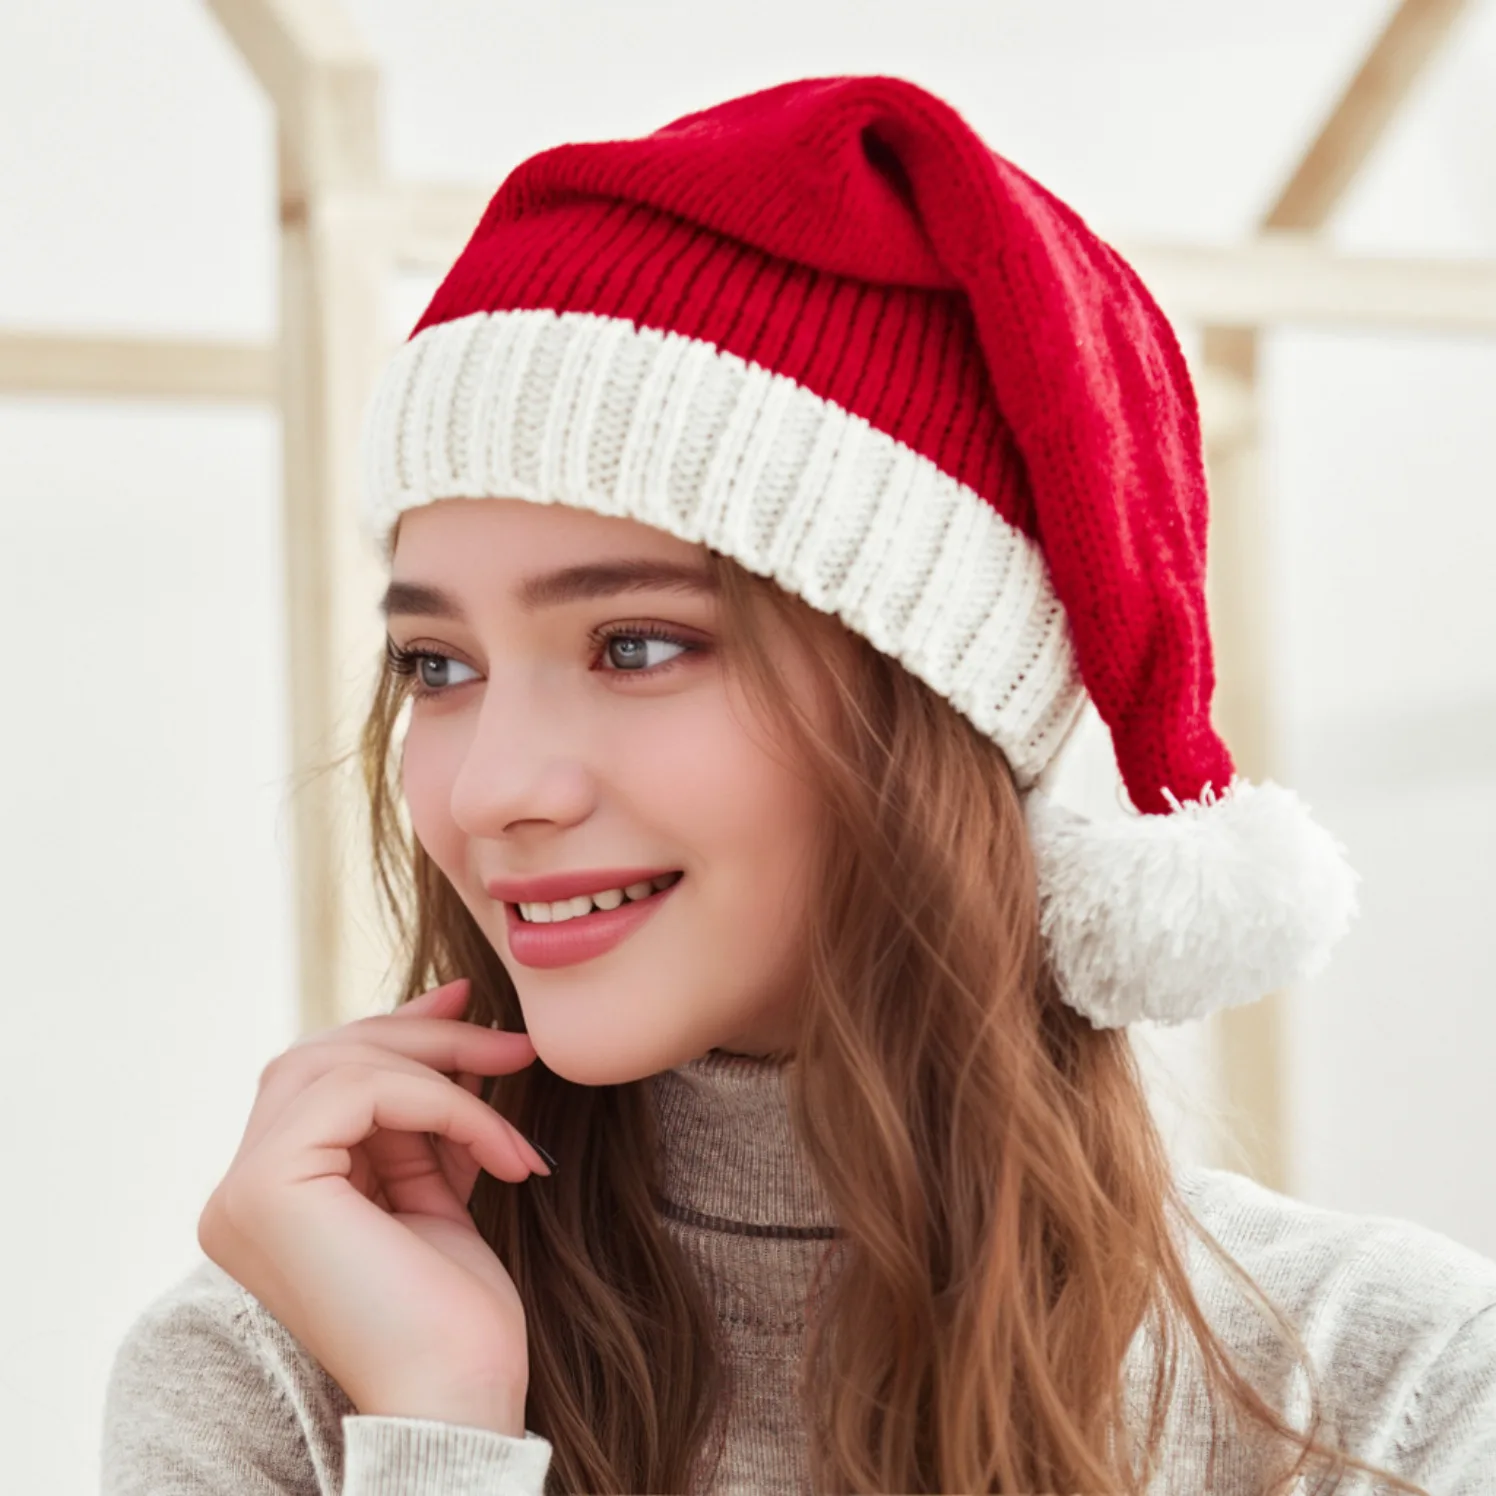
point(563, 911)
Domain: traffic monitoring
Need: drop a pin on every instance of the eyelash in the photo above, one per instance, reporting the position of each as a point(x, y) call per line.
point(406, 662)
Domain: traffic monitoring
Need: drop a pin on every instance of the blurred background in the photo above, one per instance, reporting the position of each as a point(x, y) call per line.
point(215, 219)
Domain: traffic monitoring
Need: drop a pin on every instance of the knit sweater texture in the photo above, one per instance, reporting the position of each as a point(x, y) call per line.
point(209, 1395)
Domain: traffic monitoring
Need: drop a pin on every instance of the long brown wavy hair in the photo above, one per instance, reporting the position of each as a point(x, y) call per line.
point(1003, 1194)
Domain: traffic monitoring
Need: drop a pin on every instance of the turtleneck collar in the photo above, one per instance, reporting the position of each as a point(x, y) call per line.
point(728, 1153)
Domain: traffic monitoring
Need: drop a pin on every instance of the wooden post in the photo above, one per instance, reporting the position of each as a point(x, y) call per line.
point(333, 271)
point(335, 259)
point(1248, 1041)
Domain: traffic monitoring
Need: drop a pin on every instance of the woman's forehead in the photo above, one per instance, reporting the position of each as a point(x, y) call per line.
point(456, 552)
point(507, 534)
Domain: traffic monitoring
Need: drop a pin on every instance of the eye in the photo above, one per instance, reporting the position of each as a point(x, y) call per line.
point(623, 650)
point(634, 653)
point(633, 649)
point(415, 663)
point(428, 665)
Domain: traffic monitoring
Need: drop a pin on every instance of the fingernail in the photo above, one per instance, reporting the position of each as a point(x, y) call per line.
point(542, 1152)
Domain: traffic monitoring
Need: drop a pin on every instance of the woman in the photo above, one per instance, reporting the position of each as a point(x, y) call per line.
point(764, 499)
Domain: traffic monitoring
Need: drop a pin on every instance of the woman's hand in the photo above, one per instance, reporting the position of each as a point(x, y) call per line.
point(344, 1212)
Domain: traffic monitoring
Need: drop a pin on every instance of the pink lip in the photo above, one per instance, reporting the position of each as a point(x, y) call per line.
point(552, 886)
point(575, 940)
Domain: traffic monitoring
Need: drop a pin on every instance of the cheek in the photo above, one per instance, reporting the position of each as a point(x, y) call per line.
point(729, 804)
point(427, 773)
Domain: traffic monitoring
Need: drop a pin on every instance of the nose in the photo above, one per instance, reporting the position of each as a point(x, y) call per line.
point(525, 764)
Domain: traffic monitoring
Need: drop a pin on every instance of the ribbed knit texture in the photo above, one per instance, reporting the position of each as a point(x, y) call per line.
point(210, 1396)
point(747, 1210)
point(905, 359)
point(395, 1455)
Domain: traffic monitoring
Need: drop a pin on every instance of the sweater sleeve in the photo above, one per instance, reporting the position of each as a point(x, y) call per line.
point(1448, 1439)
point(209, 1395)
point(189, 1409)
point(421, 1457)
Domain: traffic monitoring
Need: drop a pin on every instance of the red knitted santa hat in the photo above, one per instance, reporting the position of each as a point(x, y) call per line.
point(826, 331)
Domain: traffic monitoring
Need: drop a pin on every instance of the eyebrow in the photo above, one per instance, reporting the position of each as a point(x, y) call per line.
point(550, 588)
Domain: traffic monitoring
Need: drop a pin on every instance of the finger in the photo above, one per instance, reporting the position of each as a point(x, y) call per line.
point(385, 1158)
point(449, 998)
point(449, 995)
point(316, 1134)
point(335, 1122)
point(423, 1173)
point(421, 1045)
point(457, 1163)
point(364, 1177)
point(444, 1044)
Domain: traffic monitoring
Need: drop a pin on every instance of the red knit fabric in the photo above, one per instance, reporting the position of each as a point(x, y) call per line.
point(907, 361)
point(855, 235)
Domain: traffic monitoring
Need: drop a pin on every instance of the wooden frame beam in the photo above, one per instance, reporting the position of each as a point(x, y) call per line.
point(36, 363)
point(1277, 280)
point(429, 223)
point(1367, 106)
point(322, 80)
point(1294, 279)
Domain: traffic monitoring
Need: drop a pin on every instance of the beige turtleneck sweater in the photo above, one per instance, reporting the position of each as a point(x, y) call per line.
point(210, 1396)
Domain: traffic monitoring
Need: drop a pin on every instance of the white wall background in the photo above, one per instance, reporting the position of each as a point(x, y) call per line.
point(144, 897)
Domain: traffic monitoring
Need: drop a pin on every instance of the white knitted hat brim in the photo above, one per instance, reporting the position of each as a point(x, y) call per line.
point(597, 413)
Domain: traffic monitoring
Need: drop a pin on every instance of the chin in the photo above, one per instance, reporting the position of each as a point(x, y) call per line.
point(592, 1056)
point(592, 1070)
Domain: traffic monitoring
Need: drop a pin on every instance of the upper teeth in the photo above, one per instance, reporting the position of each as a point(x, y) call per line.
point(609, 898)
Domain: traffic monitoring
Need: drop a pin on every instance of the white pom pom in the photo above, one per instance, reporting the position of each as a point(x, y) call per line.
point(1171, 917)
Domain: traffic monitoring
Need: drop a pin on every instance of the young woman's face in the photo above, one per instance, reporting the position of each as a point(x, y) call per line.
point(564, 736)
